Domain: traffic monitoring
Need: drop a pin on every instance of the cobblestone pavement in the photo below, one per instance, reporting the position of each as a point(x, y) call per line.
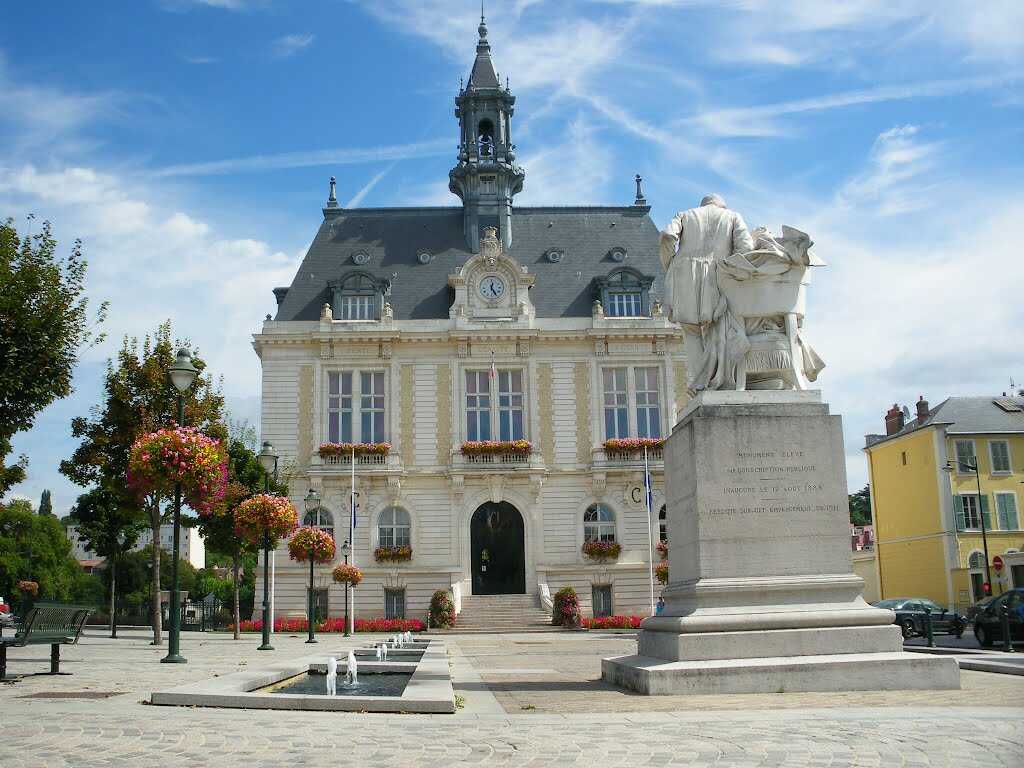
point(569, 718)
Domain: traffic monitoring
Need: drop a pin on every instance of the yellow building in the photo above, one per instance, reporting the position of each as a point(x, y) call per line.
point(931, 524)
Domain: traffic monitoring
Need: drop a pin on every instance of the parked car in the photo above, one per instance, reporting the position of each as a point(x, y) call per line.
point(971, 613)
point(910, 616)
point(988, 624)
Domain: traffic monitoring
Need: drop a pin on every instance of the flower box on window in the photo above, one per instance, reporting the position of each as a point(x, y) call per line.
point(393, 554)
point(633, 444)
point(360, 449)
point(491, 447)
point(602, 550)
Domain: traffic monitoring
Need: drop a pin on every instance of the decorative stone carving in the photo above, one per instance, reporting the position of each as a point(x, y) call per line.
point(387, 314)
point(740, 298)
point(325, 313)
point(326, 351)
point(463, 348)
point(660, 348)
point(600, 347)
point(394, 488)
point(523, 347)
point(385, 350)
point(456, 488)
point(490, 246)
point(598, 484)
point(657, 309)
point(597, 310)
point(536, 488)
point(496, 482)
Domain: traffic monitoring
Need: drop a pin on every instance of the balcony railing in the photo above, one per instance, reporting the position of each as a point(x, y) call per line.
point(362, 459)
point(630, 457)
point(497, 458)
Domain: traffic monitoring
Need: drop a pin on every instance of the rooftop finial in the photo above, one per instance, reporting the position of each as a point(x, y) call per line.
point(332, 198)
point(640, 199)
point(482, 29)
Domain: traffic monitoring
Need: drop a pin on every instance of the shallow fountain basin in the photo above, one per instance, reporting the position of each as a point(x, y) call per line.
point(314, 683)
point(403, 654)
point(426, 685)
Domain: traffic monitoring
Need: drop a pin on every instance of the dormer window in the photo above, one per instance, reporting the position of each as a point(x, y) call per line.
point(625, 293)
point(358, 296)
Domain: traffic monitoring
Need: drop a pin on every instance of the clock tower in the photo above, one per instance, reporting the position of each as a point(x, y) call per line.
point(485, 177)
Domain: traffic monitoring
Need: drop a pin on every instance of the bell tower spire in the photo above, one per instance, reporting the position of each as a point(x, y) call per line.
point(485, 177)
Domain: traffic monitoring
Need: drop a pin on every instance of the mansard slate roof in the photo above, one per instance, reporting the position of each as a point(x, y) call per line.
point(967, 416)
point(393, 237)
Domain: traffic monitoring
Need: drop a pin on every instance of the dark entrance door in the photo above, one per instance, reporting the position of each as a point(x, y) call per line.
point(497, 550)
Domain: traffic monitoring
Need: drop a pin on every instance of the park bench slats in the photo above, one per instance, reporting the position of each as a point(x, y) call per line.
point(53, 624)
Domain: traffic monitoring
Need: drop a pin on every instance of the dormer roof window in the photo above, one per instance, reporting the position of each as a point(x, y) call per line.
point(358, 296)
point(625, 293)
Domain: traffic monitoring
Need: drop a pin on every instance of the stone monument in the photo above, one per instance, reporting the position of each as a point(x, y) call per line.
point(761, 595)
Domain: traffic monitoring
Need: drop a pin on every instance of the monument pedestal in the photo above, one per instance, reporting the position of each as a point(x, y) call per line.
point(762, 597)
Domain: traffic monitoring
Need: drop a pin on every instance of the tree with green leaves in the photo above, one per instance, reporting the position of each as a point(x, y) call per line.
point(44, 324)
point(245, 479)
point(34, 548)
point(109, 522)
point(45, 504)
point(860, 506)
point(138, 398)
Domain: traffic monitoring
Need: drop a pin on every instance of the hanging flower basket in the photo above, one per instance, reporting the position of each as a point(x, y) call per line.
point(633, 444)
point(602, 550)
point(661, 573)
point(347, 574)
point(28, 587)
point(346, 449)
point(161, 459)
point(265, 514)
point(311, 543)
point(662, 548)
point(478, 447)
point(393, 554)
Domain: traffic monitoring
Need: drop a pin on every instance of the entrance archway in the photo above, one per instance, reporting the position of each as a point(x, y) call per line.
point(497, 550)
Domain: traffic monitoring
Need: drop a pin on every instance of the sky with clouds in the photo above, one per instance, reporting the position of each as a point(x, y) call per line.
point(189, 142)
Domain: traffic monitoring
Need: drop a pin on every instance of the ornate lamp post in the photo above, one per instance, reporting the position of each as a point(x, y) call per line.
point(345, 550)
point(973, 467)
point(120, 539)
point(312, 503)
point(268, 460)
point(182, 375)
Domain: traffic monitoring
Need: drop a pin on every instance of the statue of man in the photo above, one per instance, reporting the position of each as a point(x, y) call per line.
point(691, 246)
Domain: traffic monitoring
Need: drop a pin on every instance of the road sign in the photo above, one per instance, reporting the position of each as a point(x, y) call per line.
point(997, 563)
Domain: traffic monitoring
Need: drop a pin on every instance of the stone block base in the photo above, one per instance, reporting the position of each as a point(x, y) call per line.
point(707, 646)
point(785, 674)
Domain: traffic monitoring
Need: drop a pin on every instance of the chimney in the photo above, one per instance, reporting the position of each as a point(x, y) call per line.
point(922, 409)
point(893, 420)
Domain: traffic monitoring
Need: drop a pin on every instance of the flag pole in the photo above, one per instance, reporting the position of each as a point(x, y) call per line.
point(352, 545)
point(650, 528)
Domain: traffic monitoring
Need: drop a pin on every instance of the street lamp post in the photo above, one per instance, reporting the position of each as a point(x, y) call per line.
point(345, 549)
point(120, 540)
point(973, 467)
point(312, 502)
point(268, 460)
point(182, 375)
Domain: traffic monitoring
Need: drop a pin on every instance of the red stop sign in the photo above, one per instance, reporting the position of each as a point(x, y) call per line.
point(997, 563)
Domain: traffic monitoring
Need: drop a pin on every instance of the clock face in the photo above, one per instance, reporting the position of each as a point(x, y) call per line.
point(492, 287)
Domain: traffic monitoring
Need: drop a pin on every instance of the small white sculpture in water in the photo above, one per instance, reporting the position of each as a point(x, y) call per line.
point(380, 653)
point(408, 636)
point(332, 676)
point(384, 650)
point(351, 669)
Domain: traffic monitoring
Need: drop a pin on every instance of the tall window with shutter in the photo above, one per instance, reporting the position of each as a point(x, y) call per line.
point(968, 514)
point(999, 453)
point(1006, 510)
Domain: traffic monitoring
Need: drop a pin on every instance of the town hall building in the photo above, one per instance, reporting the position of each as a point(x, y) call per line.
point(511, 360)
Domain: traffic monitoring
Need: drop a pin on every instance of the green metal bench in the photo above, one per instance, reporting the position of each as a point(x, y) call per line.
point(53, 624)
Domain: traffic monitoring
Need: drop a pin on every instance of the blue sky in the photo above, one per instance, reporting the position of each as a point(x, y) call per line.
point(189, 143)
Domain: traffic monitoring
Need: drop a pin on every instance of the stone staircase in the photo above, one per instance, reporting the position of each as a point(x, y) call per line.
point(502, 613)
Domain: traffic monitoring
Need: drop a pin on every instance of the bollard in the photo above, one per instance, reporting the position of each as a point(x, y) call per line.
point(1007, 640)
point(929, 630)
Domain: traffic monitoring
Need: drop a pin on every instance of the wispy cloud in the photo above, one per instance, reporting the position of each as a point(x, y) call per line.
point(357, 199)
point(289, 45)
point(892, 182)
point(757, 120)
point(199, 59)
point(227, 5)
point(341, 156)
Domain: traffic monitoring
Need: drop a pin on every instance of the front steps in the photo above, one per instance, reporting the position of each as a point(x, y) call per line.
point(501, 614)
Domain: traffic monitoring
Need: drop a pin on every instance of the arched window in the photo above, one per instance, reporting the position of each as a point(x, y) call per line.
point(393, 528)
point(598, 523)
point(321, 519)
point(662, 525)
point(976, 560)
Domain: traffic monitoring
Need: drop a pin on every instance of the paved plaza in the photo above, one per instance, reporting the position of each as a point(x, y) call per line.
point(529, 700)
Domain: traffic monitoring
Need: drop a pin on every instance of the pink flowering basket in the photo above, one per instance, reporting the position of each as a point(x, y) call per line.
point(477, 447)
point(309, 543)
point(360, 449)
point(661, 573)
point(347, 574)
point(633, 444)
point(602, 550)
point(265, 515)
point(159, 460)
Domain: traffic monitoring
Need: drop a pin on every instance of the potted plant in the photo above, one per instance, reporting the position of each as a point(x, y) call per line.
point(565, 609)
point(347, 574)
point(661, 573)
point(442, 610)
